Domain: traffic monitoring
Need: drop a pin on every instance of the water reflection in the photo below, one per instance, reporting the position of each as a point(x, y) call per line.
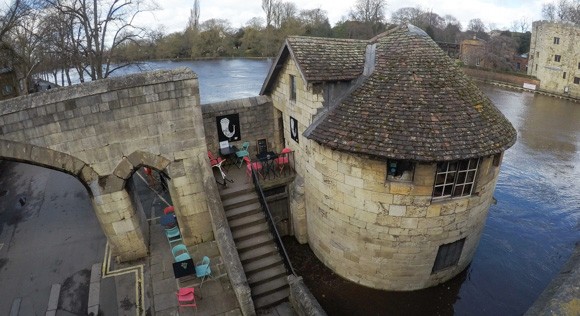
point(532, 229)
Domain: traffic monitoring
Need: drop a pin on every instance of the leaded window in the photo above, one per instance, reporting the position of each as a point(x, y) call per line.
point(455, 178)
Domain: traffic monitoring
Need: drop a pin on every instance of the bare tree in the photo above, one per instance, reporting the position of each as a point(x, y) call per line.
point(522, 25)
point(269, 7)
point(407, 15)
point(103, 26)
point(476, 25)
point(284, 12)
point(549, 12)
point(193, 21)
point(11, 14)
point(369, 11)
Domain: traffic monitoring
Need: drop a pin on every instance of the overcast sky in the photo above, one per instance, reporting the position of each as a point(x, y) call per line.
point(173, 14)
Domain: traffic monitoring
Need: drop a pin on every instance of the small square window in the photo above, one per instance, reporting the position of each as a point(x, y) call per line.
point(564, 75)
point(400, 170)
point(557, 58)
point(496, 160)
point(577, 80)
point(556, 40)
point(448, 255)
point(292, 88)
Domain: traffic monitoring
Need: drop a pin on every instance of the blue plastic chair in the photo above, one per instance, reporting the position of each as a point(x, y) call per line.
point(243, 152)
point(180, 253)
point(173, 234)
point(203, 270)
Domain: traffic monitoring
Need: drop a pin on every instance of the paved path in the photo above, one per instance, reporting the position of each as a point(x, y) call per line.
point(49, 237)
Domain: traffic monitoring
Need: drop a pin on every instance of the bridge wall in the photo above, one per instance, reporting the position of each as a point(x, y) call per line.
point(103, 131)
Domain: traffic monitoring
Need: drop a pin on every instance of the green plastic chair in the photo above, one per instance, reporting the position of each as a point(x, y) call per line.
point(180, 253)
point(173, 234)
point(243, 152)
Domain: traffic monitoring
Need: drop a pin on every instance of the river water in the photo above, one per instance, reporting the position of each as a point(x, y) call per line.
point(530, 232)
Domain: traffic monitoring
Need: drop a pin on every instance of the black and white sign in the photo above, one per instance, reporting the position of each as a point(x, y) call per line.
point(228, 127)
point(294, 129)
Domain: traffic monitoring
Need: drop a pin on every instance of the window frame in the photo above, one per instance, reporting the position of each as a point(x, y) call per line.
point(448, 255)
point(557, 58)
point(292, 87)
point(576, 80)
point(454, 175)
point(400, 166)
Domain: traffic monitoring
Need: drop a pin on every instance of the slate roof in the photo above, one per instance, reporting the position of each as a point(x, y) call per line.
point(416, 105)
point(328, 59)
point(321, 59)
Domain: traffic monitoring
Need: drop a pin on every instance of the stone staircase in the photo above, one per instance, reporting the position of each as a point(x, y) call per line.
point(263, 265)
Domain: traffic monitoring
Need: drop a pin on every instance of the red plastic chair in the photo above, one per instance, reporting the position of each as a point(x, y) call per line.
point(213, 160)
point(257, 166)
point(283, 159)
point(186, 297)
point(169, 209)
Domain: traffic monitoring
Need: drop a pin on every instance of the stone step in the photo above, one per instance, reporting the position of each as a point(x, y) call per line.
point(270, 287)
point(248, 220)
point(250, 231)
point(266, 275)
point(241, 211)
point(240, 200)
point(262, 264)
point(257, 253)
point(240, 188)
point(254, 242)
point(272, 299)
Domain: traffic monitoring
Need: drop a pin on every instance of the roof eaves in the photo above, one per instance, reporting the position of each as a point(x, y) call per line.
point(274, 69)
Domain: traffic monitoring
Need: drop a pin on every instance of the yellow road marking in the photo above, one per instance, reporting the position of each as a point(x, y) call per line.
point(137, 272)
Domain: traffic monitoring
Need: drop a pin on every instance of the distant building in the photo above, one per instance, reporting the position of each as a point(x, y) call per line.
point(397, 155)
point(555, 57)
point(472, 52)
point(8, 83)
point(520, 62)
point(452, 49)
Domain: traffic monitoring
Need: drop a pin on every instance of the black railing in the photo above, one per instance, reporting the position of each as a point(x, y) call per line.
point(271, 223)
point(272, 166)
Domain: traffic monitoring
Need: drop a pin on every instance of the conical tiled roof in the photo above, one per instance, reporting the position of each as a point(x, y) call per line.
point(416, 105)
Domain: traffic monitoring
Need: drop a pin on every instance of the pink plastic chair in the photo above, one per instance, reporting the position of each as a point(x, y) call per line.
point(186, 297)
point(213, 160)
point(257, 166)
point(283, 159)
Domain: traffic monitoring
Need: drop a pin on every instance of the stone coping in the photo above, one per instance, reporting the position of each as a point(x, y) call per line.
point(63, 94)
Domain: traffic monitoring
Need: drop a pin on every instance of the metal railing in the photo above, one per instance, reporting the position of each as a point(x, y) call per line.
point(276, 166)
point(271, 223)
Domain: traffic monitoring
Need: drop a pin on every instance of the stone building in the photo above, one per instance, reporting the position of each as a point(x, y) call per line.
point(472, 52)
point(555, 57)
point(397, 155)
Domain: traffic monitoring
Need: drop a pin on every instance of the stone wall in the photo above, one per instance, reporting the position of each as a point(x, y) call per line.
point(303, 109)
point(386, 234)
point(382, 234)
point(502, 77)
point(255, 122)
point(555, 76)
point(103, 131)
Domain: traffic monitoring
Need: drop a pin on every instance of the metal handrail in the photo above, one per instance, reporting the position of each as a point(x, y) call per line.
point(271, 223)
